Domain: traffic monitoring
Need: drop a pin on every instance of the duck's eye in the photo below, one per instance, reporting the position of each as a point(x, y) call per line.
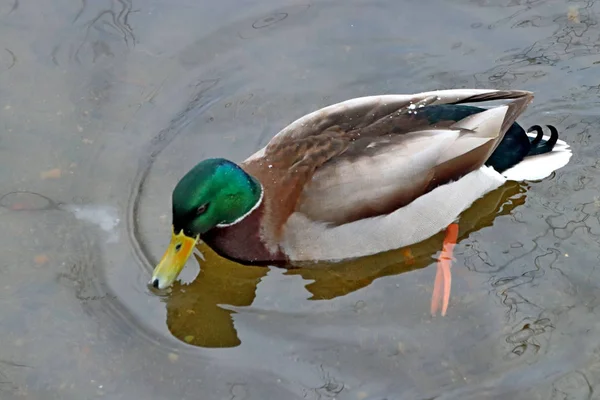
point(202, 209)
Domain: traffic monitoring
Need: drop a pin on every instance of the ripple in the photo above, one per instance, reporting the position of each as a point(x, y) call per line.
point(270, 20)
point(27, 201)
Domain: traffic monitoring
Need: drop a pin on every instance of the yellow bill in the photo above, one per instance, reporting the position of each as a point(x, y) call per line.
point(173, 261)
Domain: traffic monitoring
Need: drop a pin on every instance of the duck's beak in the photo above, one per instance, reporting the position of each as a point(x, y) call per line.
point(173, 261)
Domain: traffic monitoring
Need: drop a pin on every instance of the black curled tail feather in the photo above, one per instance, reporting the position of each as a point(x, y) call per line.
point(537, 145)
point(540, 133)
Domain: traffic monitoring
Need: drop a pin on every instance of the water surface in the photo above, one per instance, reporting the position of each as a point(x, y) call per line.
point(106, 104)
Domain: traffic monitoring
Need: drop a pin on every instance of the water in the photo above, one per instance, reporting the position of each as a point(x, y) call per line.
point(106, 104)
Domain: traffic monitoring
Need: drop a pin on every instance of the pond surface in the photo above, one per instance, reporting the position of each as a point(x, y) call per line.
point(106, 104)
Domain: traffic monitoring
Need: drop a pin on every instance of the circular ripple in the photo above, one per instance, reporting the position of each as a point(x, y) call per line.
point(270, 20)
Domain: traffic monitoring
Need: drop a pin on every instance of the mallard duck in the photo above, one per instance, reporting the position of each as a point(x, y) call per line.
point(360, 177)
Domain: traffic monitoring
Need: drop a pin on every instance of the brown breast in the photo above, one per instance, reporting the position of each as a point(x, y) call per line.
point(242, 242)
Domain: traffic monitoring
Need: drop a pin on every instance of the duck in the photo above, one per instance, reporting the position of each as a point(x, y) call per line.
point(360, 177)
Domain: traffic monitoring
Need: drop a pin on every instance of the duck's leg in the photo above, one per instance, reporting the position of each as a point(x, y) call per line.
point(443, 278)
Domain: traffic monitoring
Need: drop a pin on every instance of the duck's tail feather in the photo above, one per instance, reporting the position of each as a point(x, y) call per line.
point(547, 154)
point(539, 147)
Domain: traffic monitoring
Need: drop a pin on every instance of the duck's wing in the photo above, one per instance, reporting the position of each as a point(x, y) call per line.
point(369, 112)
point(368, 156)
point(402, 155)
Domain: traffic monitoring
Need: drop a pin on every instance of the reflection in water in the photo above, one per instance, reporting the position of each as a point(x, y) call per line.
point(195, 317)
point(193, 311)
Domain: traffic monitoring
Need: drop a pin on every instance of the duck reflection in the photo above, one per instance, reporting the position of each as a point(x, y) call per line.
point(194, 314)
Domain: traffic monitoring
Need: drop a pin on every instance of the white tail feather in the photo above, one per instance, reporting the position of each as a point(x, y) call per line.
point(538, 167)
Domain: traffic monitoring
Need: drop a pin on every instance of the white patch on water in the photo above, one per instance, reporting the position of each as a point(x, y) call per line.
point(105, 217)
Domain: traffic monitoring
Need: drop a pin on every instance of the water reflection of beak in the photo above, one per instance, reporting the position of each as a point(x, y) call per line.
point(179, 251)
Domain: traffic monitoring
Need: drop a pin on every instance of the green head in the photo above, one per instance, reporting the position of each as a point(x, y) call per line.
point(215, 192)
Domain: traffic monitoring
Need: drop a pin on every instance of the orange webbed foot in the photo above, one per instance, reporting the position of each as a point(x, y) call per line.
point(443, 277)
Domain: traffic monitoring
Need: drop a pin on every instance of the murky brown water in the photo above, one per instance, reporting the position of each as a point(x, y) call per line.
point(105, 104)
